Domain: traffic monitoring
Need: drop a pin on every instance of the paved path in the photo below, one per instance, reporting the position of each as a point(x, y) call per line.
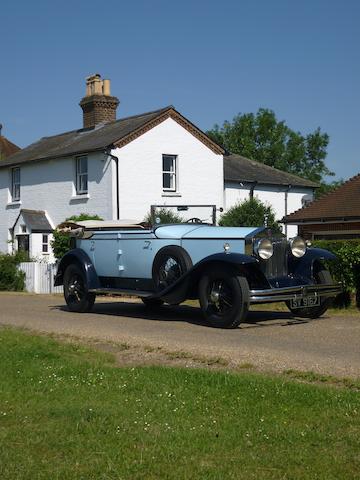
point(270, 341)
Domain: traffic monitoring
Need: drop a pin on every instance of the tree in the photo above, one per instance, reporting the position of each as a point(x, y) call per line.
point(165, 215)
point(326, 188)
point(264, 138)
point(61, 242)
point(249, 213)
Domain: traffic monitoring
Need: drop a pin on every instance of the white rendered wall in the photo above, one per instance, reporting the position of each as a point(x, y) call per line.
point(36, 252)
point(270, 195)
point(199, 170)
point(49, 186)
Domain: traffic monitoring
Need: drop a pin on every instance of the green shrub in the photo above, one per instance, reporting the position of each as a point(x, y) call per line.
point(347, 268)
point(11, 278)
point(165, 215)
point(61, 242)
point(249, 213)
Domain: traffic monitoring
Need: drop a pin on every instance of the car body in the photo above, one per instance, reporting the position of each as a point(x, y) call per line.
point(226, 268)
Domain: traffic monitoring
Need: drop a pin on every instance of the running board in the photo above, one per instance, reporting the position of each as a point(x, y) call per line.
point(120, 291)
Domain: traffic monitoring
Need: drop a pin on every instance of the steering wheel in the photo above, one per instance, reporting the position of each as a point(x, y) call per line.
point(194, 220)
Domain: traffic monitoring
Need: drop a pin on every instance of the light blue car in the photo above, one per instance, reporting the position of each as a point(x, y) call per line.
point(227, 269)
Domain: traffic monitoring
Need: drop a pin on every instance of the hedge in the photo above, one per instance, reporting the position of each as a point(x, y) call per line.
point(11, 278)
point(347, 268)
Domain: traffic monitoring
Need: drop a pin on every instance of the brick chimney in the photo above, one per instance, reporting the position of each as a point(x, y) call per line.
point(98, 105)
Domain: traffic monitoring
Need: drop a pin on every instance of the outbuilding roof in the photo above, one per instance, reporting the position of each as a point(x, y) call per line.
point(241, 169)
point(35, 220)
point(102, 136)
point(340, 204)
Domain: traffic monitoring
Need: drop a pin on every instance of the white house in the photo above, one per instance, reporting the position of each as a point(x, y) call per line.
point(118, 168)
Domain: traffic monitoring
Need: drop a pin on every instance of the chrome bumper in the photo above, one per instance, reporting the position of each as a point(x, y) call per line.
point(294, 293)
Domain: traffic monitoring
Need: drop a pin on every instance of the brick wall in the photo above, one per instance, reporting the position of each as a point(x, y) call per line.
point(98, 109)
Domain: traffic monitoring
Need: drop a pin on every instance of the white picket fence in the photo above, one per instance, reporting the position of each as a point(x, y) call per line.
point(39, 277)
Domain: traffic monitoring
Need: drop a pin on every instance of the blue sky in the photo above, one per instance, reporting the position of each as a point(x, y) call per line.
point(210, 59)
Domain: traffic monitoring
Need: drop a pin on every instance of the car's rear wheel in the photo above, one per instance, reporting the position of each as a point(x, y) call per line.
point(322, 276)
point(76, 294)
point(224, 297)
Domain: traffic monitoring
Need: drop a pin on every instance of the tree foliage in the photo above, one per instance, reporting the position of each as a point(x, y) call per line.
point(264, 138)
point(61, 242)
point(249, 213)
point(165, 216)
point(326, 188)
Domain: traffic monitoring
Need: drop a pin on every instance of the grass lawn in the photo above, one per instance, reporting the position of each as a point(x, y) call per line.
point(66, 412)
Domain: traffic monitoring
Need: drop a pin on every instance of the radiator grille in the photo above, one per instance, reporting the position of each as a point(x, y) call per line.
point(277, 265)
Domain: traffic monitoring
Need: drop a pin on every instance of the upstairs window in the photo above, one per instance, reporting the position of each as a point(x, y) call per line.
point(15, 184)
point(45, 243)
point(81, 175)
point(169, 172)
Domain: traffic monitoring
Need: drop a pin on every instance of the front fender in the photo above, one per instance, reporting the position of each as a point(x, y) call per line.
point(79, 257)
point(234, 260)
point(303, 266)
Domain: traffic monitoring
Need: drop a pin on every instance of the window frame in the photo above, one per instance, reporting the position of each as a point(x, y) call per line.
point(172, 173)
point(45, 244)
point(79, 175)
point(15, 185)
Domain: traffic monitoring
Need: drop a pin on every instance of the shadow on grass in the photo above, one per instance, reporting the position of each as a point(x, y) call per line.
point(187, 314)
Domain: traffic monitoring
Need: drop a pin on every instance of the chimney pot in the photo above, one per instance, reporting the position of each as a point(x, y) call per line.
point(106, 87)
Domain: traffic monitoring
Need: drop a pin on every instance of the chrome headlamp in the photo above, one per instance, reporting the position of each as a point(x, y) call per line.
point(264, 248)
point(298, 247)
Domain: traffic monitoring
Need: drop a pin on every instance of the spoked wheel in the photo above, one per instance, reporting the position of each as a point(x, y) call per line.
point(76, 295)
point(224, 298)
point(322, 276)
point(169, 271)
point(170, 264)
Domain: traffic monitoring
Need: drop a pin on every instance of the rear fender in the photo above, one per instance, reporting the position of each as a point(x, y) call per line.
point(304, 266)
point(80, 258)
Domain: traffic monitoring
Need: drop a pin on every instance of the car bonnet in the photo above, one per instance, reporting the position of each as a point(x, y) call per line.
point(204, 231)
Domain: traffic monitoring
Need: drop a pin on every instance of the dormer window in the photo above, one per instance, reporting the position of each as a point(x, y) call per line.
point(81, 175)
point(15, 184)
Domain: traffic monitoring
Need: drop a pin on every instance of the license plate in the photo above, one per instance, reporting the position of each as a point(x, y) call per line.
point(309, 301)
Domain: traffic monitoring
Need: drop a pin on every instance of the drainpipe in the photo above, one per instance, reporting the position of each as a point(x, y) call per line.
point(252, 188)
point(286, 205)
point(116, 160)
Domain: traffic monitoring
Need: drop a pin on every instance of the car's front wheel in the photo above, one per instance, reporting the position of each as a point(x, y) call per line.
point(224, 297)
point(321, 277)
point(76, 294)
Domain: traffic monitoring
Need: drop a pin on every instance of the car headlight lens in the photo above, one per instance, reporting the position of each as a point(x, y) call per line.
point(298, 247)
point(264, 248)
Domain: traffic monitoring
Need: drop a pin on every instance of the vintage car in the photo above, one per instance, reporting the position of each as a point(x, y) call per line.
point(226, 268)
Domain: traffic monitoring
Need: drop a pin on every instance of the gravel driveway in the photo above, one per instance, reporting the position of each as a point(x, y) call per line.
point(270, 341)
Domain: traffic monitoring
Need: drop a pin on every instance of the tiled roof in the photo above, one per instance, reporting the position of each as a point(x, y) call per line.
point(342, 203)
point(81, 141)
point(241, 169)
point(36, 220)
point(101, 137)
point(7, 148)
